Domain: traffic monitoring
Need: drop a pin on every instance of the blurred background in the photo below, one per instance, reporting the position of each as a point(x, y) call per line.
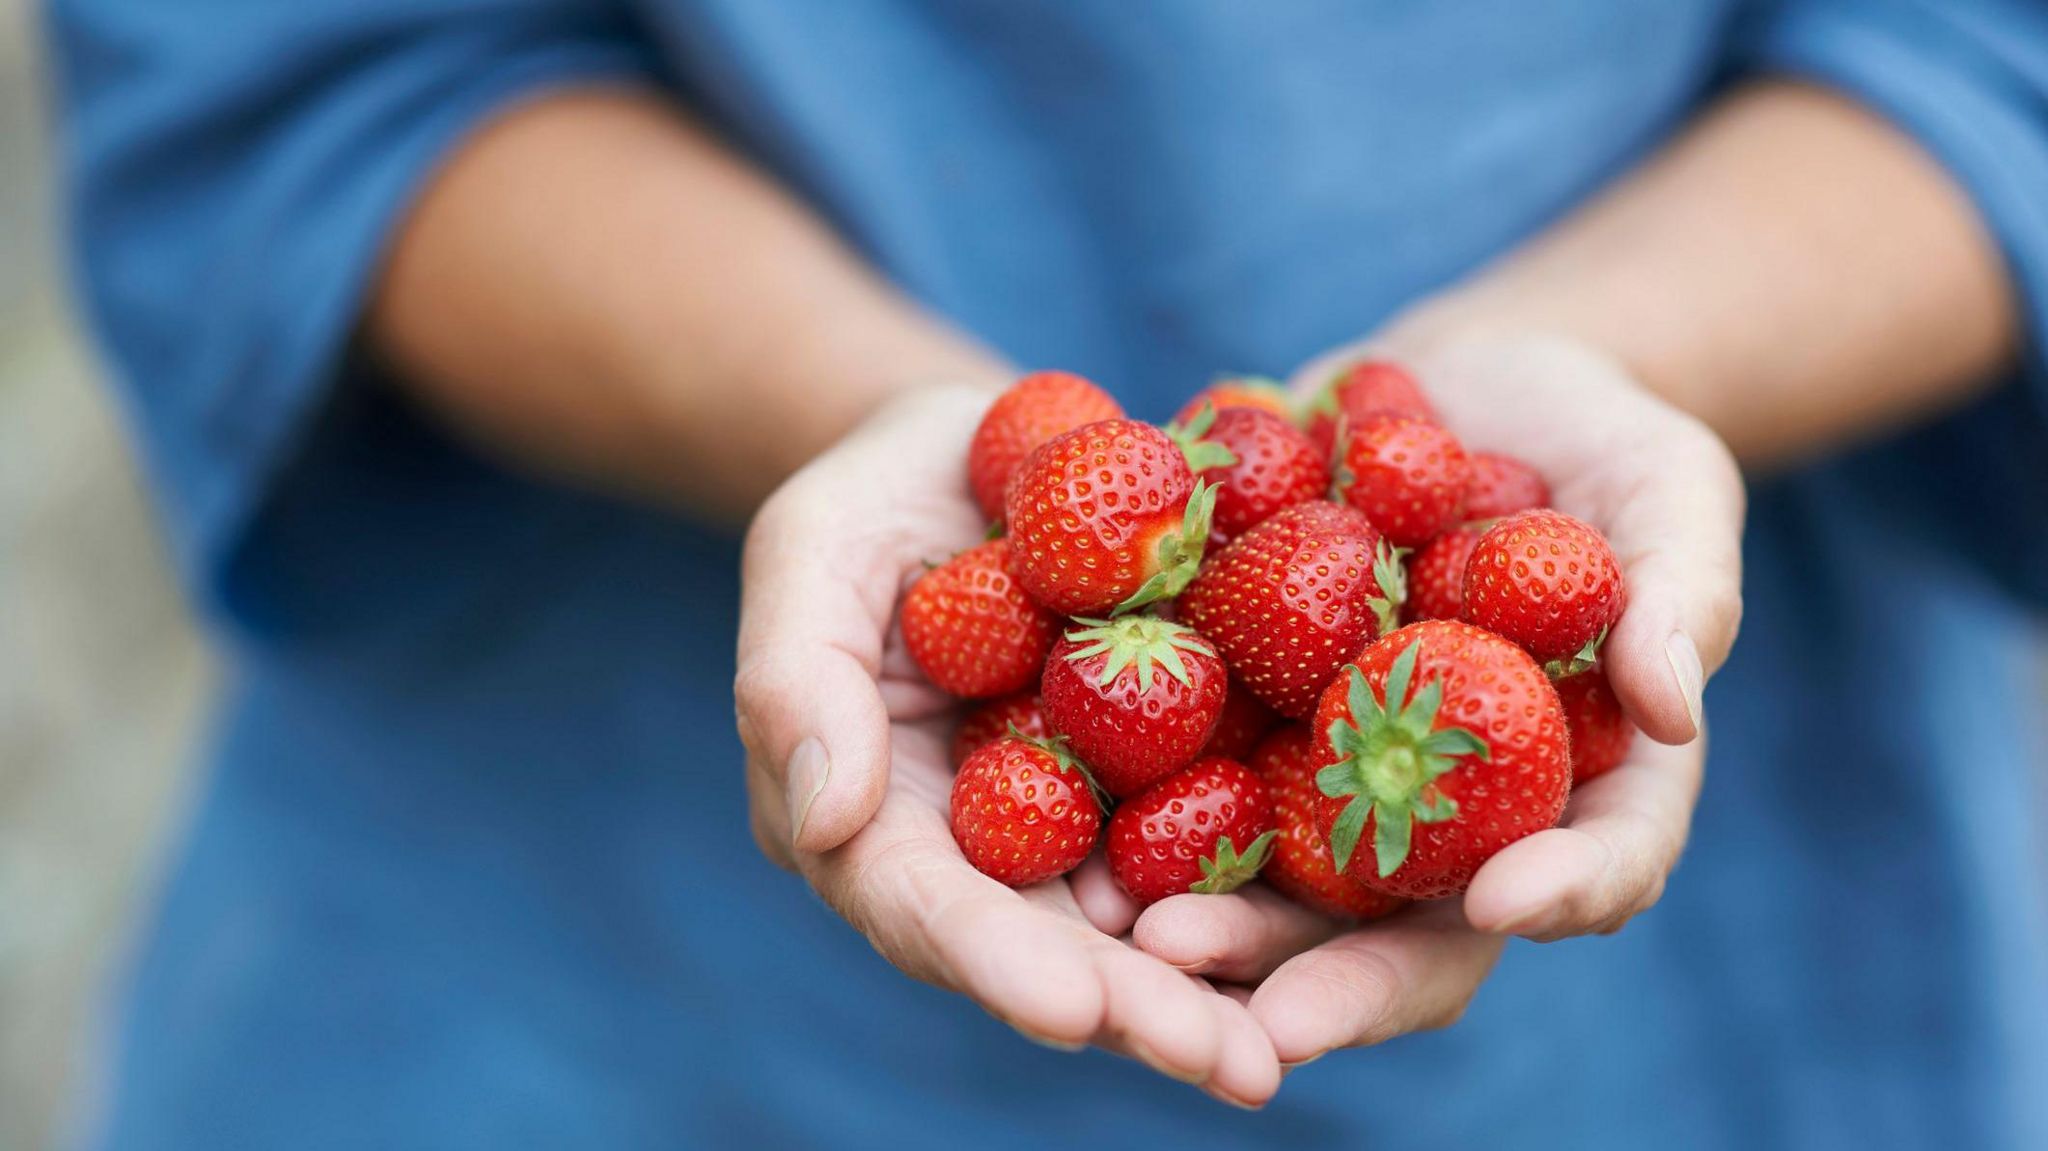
point(102, 678)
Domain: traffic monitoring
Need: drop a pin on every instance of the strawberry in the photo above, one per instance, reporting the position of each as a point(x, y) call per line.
point(1362, 391)
point(1020, 713)
point(1258, 461)
point(970, 627)
point(1548, 582)
point(1436, 575)
point(1255, 392)
point(1244, 720)
point(1407, 475)
point(1023, 811)
point(1301, 867)
point(1206, 828)
point(1289, 601)
point(1107, 518)
point(1137, 697)
point(1501, 486)
point(1443, 744)
point(1033, 410)
point(1601, 734)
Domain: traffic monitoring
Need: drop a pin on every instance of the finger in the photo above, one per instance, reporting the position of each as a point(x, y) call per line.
point(1247, 1072)
point(1106, 906)
point(769, 816)
point(929, 913)
point(1412, 972)
point(1622, 836)
point(1674, 519)
point(1242, 936)
point(1159, 1015)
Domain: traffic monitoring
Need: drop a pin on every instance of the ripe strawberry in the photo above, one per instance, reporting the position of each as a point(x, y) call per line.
point(971, 629)
point(1107, 518)
point(1365, 390)
point(1023, 811)
point(1301, 867)
point(1137, 697)
point(1437, 780)
point(1436, 575)
point(1244, 720)
point(1256, 392)
point(1501, 486)
point(1021, 713)
point(1290, 600)
point(1548, 582)
point(1601, 734)
point(1258, 461)
point(1408, 476)
point(1207, 828)
point(1034, 409)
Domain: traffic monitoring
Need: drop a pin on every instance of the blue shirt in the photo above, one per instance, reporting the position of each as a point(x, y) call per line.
point(470, 866)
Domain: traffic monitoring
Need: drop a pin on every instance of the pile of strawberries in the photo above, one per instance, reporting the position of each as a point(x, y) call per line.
point(1257, 644)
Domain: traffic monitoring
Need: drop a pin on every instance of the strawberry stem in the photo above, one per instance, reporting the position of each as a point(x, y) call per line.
point(1144, 641)
point(1226, 871)
point(1390, 755)
point(1179, 553)
point(1201, 454)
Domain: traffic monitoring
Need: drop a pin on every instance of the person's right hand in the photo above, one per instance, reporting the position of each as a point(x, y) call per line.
point(849, 778)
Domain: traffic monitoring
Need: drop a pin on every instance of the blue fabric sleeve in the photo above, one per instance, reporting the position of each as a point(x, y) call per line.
point(1968, 79)
point(234, 169)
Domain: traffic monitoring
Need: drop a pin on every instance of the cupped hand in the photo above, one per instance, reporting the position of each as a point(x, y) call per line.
point(849, 781)
point(1669, 498)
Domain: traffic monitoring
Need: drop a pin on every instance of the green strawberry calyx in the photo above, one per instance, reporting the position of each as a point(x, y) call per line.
point(1145, 642)
point(1064, 761)
point(1226, 871)
point(1580, 662)
point(1390, 572)
point(1390, 756)
point(1178, 554)
point(1201, 454)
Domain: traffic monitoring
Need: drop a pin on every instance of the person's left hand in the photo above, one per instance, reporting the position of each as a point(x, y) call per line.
point(1670, 500)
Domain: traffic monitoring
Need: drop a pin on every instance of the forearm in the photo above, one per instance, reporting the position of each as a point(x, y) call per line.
point(596, 287)
point(1793, 270)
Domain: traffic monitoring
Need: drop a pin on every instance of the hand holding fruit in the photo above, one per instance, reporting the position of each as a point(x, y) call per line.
point(1669, 502)
point(848, 767)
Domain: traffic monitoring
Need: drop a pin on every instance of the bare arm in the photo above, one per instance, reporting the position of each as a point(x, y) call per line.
point(1794, 271)
point(595, 285)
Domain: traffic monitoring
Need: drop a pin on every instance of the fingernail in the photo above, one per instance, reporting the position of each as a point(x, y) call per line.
point(1684, 659)
point(809, 768)
point(1144, 1055)
point(1060, 1045)
point(1284, 1067)
point(1220, 1097)
point(1535, 923)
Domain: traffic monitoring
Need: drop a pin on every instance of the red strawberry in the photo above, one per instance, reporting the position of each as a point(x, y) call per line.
point(1501, 486)
point(1244, 720)
point(1436, 575)
point(1423, 786)
point(971, 629)
point(1033, 410)
point(1255, 392)
point(1548, 582)
point(1206, 828)
point(1601, 734)
point(1023, 811)
point(1106, 518)
point(1290, 600)
point(1365, 390)
point(997, 718)
point(1301, 867)
point(1137, 697)
point(1408, 476)
point(1258, 461)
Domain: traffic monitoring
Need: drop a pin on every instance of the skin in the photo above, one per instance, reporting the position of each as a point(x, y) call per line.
point(1789, 275)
